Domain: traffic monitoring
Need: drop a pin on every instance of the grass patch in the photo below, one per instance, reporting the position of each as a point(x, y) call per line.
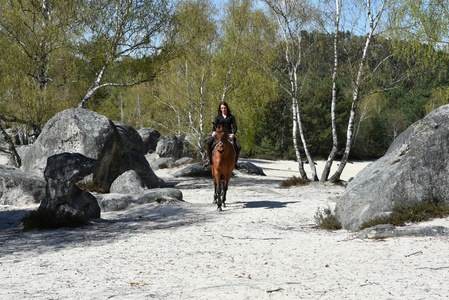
point(41, 219)
point(294, 181)
point(325, 219)
point(402, 214)
point(162, 166)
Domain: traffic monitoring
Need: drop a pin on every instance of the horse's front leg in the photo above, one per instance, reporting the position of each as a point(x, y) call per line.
point(215, 193)
point(225, 190)
point(219, 195)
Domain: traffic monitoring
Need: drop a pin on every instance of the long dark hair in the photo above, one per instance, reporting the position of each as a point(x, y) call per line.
point(225, 104)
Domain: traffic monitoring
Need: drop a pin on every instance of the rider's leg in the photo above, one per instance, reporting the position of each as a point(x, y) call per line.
point(209, 151)
point(238, 147)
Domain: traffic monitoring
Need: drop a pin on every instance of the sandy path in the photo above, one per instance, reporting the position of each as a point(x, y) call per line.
point(262, 246)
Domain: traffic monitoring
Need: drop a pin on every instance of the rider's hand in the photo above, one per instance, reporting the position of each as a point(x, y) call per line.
point(231, 136)
point(214, 133)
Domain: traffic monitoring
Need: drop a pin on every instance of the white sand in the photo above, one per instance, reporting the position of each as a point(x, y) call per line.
point(262, 246)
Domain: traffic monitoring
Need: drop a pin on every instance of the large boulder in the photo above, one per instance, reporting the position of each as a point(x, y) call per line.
point(118, 147)
point(249, 168)
point(62, 173)
point(20, 188)
point(172, 146)
point(132, 160)
point(128, 183)
point(150, 136)
point(194, 170)
point(81, 131)
point(131, 139)
point(414, 170)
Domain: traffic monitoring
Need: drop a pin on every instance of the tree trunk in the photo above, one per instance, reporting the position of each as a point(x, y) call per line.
point(331, 157)
point(302, 173)
point(93, 88)
point(15, 157)
point(306, 149)
point(355, 96)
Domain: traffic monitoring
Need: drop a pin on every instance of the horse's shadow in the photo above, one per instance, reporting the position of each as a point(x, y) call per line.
point(265, 204)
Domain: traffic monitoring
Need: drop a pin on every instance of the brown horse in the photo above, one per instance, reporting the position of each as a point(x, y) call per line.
point(223, 159)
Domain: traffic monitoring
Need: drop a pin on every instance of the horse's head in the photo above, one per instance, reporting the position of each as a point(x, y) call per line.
point(221, 136)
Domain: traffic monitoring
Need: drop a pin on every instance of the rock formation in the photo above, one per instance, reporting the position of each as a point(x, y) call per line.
point(414, 170)
point(62, 173)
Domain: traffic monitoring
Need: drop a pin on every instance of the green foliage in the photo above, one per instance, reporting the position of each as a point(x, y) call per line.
point(419, 212)
point(325, 219)
point(42, 219)
point(195, 56)
point(294, 181)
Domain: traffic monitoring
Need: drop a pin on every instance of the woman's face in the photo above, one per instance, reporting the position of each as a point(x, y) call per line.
point(224, 109)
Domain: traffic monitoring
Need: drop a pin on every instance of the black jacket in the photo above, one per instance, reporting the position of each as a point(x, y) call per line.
point(229, 123)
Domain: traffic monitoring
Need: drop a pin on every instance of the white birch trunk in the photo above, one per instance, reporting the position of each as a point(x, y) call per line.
point(292, 71)
point(355, 97)
point(93, 88)
point(331, 157)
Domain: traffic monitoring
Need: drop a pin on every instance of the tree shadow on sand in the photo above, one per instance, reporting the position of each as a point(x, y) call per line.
point(266, 204)
point(113, 226)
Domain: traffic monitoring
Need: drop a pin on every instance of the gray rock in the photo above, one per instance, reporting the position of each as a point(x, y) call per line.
point(82, 131)
point(183, 161)
point(117, 202)
point(163, 162)
point(249, 168)
point(414, 170)
point(130, 138)
point(62, 173)
point(172, 146)
point(194, 170)
point(387, 230)
point(150, 136)
point(20, 188)
point(118, 147)
point(132, 160)
point(128, 183)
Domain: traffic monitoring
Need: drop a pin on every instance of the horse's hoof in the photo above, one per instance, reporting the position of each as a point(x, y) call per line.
point(214, 202)
point(219, 209)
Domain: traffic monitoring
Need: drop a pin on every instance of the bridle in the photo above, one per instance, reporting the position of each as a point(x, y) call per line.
point(220, 143)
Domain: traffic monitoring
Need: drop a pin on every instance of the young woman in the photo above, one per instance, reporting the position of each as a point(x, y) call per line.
point(225, 118)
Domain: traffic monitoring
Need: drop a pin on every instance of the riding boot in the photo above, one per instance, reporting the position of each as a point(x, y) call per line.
point(209, 157)
point(237, 153)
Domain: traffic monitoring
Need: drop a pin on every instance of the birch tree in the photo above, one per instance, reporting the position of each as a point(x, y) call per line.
point(120, 28)
point(293, 17)
point(374, 17)
point(185, 89)
point(36, 65)
point(335, 15)
point(37, 36)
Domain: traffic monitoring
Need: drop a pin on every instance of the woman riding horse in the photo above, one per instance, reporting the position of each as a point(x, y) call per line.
point(226, 119)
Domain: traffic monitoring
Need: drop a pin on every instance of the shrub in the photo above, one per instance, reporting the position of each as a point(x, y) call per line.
point(47, 219)
point(294, 181)
point(325, 219)
point(402, 214)
point(163, 166)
